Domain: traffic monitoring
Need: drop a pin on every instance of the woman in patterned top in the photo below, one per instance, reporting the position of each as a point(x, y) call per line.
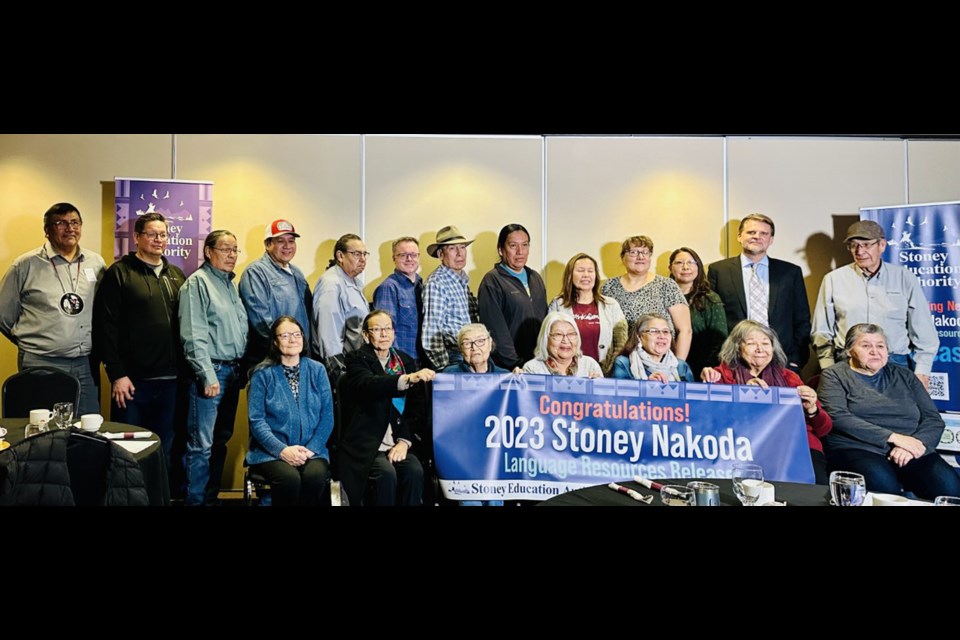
point(640, 290)
point(291, 417)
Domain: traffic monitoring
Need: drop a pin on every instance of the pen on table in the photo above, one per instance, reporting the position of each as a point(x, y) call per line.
point(630, 492)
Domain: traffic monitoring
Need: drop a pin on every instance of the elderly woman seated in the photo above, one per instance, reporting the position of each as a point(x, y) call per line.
point(383, 406)
point(752, 355)
point(558, 350)
point(291, 416)
point(647, 355)
point(476, 345)
point(885, 426)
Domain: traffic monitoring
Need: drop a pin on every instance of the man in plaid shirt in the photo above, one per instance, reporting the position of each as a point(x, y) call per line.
point(448, 303)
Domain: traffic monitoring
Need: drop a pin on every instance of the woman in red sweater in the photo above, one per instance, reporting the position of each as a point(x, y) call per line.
point(751, 354)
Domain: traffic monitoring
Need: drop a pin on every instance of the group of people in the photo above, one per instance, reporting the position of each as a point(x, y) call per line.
point(318, 358)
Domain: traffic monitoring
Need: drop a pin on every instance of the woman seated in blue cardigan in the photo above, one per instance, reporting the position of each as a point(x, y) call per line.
point(647, 354)
point(291, 417)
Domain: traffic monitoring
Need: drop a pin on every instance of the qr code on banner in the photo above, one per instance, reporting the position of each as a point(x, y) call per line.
point(938, 386)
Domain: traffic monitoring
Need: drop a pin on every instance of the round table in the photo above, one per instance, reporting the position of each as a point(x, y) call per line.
point(150, 459)
point(795, 494)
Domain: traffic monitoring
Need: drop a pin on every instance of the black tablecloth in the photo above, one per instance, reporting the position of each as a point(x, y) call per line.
point(795, 494)
point(150, 459)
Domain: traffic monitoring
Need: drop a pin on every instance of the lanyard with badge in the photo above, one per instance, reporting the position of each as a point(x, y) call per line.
point(71, 303)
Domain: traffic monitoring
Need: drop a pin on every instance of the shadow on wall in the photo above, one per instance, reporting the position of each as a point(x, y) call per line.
point(553, 278)
point(384, 254)
point(321, 258)
point(483, 254)
point(611, 265)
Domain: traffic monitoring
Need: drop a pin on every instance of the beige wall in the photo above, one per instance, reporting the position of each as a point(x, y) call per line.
point(598, 191)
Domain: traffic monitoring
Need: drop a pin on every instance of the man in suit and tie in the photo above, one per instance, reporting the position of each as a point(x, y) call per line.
point(764, 289)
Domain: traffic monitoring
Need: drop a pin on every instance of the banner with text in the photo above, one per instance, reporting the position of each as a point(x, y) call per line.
point(187, 206)
point(925, 238)
point(532, 437)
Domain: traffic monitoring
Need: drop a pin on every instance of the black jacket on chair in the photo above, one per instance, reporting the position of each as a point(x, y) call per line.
point(67, 468)
point(366, 399)
point(788, 311)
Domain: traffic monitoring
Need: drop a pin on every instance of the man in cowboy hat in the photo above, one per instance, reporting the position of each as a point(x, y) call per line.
point(448, 303)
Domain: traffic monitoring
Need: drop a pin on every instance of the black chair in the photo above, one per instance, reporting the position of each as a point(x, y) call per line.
point(38, 388)
point(256, 484)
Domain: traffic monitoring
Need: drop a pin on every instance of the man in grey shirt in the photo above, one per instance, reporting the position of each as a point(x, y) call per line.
point(46, 302)
point(870, 290)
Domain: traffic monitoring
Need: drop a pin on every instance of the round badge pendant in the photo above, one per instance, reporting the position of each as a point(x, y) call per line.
point(71, 304)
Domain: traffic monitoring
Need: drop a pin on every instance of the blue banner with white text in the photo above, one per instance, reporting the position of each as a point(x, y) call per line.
point(530, 437)
point(925, 238)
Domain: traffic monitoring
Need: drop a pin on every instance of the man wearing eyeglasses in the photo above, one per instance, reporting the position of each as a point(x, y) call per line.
point(136, 333)
point(400, 295)
point(213, 331)
point(874, 291)
point(272, 286)
point(339, 306)
point(46, 302)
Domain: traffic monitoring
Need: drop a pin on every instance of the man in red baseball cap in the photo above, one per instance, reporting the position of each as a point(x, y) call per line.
point(273, 286)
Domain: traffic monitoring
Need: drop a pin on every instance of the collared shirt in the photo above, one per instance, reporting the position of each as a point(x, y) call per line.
point(213, 322)
point(338, 309)
point(763, 272)
point(46, 302)
point(269, 291)
point(891, 298)
point(401, 298)
point(447, 306)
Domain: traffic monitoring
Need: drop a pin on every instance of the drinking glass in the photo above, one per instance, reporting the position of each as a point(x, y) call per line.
point(62, 415)
point(676, 495)
point(847, 489)
point(747, 482)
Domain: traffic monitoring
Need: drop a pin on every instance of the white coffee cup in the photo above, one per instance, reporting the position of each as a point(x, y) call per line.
point(91, 422)
point(39, 416)
point(889, 500)
point(767, 494)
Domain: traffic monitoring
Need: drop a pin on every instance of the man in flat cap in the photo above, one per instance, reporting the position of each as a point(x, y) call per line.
point(448, 303)
point(878, 292)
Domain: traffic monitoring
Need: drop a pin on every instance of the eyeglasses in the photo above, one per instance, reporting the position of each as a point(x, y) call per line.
point(638, 253)
point(358, 254)
point(560, 337)
point(853, 247)
point(684, 263)
point(380, 331)
point(479, 343)
point(63, 224)
point(227, 251)
point(407, 256)
point(153, 235)
point(657, 332)
point(290, 335)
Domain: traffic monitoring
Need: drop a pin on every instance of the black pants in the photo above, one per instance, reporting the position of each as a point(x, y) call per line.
point(295, 486)
point(398, 484)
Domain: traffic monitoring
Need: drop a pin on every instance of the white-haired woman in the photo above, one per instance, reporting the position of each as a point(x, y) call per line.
point(558, 350)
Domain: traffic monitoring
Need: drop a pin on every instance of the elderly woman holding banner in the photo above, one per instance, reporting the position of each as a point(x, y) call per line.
point(647, 354)
point(752, 355)
point(886, 427)
point(558, 350)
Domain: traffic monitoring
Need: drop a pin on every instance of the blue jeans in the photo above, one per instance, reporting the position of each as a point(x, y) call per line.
point(209, 427)
point(481, 503)
point(78, 367)
point(152, 408)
